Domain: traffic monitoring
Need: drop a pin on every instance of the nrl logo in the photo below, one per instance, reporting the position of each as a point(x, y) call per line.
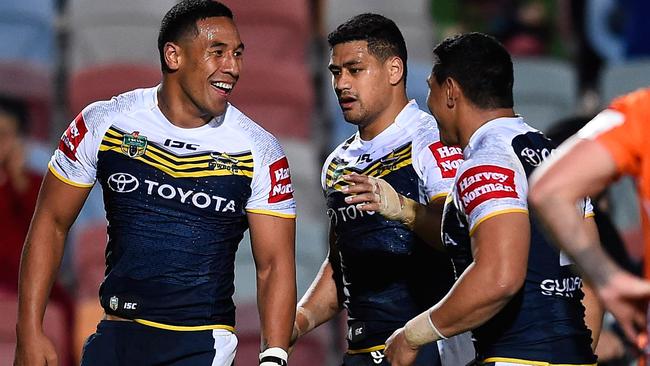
point(223, 161)
point(134, 145)
point(113, 303)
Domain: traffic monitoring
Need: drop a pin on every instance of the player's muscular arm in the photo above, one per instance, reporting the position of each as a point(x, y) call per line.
point(583, 168)
point(57, 207)
point(500, 247)
point(375, 194)
point(273, 243)
point(323, 299)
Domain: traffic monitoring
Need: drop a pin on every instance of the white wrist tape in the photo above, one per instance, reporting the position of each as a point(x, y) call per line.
point(390, 206)
point(421, 330)
point(274, 356)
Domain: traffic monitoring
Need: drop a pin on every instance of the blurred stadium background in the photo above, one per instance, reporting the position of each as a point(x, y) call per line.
point(56, 56)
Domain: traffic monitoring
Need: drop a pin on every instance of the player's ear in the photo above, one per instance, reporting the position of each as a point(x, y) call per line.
point(172, 55)
point(395, 70)
point(451, 92)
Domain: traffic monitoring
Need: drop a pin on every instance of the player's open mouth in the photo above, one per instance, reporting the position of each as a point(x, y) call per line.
point(346, 102)
point(224, 87)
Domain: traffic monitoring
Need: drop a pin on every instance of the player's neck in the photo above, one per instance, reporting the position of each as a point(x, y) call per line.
point(384, 119)
point(474, 118)
point(177, 109)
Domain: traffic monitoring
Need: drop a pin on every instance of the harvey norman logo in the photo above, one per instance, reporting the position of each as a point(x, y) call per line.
point(281, 189)
point(484, 182)
point(448, 158)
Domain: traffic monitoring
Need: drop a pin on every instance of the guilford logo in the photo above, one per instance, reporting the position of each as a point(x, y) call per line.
point(123, 182)
point(134, 145)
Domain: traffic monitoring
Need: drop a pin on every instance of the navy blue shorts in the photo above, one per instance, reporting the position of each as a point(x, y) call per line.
point(129, 343)
point(428, 356)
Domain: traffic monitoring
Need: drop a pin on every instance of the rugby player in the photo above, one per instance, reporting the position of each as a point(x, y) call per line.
point(517, 293)
point(184, 174)
point(377, 259)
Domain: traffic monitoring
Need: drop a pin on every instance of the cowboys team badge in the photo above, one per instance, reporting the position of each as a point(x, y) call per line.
point(113, 303)
point(223, 161)
point(134, 145)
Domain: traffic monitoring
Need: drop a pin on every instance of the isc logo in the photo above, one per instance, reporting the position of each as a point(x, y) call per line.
point(180, 144)
point(130, 305)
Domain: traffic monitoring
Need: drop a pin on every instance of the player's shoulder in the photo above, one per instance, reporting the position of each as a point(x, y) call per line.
point(262, 142)
point(639, 99)
point(416, 123)
point(102, 113)
point(492, 145)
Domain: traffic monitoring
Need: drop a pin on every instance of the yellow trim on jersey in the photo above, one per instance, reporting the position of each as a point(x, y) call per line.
point(201, 173)
point(184, 328)
point(180, 174)
point(365, 350)
point(66, 180)
point(589, 215)
point(338, 185)
point(245, 160)
point(439, 195)
point(272, 213)
point(496, 213)
point(402, 152)
point(533, 363)
point(158, 157)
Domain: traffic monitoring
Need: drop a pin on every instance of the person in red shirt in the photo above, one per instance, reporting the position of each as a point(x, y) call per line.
point(18, 191)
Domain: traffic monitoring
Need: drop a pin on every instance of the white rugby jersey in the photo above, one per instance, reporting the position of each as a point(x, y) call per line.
point(176, 201)
point(493, 180)
point(543, 322)
point(383, 262)
point(412, 140)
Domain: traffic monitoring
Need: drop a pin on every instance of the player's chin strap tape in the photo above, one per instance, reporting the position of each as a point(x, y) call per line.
point(274, 356)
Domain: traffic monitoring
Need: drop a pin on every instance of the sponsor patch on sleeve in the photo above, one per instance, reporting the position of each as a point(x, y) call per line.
point(72, 137)
point(448, 158)
point(484, 182)
point(281, 189)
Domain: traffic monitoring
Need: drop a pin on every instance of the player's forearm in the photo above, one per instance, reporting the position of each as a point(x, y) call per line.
point(593, 314)
point(320, 303)
point(39, 265)
point(473, 300)
point(426, 221)
point(276, 298)
point(566, 226)
point(469, 304)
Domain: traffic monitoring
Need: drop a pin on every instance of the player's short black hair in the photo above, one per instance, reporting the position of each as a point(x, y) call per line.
point(382, 34)
point(181, 19)
point(480, 64)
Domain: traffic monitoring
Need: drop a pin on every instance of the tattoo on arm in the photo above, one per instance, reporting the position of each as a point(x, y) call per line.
point(595, 263)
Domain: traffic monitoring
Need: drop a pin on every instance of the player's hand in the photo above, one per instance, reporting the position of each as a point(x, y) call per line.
point(35, 350)
point(398, 352)
point(294, 339)
point(626, 297)
point(373, 194)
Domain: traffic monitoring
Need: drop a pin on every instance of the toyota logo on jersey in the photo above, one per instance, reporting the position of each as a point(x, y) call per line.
point(448, 158)
point(123, 182)
point(484, 182)
point(281, 189)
